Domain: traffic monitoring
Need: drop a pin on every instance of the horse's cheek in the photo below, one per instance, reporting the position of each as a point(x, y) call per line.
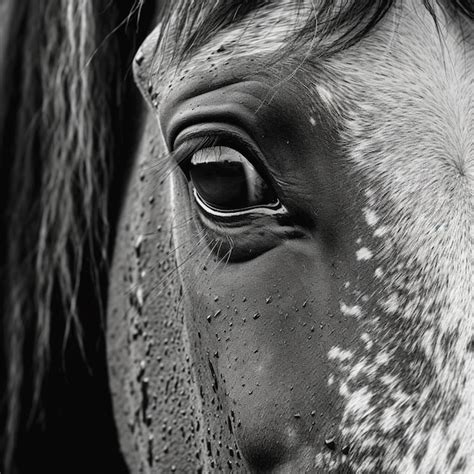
point(147, 366)
point(266, 326)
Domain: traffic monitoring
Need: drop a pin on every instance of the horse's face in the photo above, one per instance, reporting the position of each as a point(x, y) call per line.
point(313, 310)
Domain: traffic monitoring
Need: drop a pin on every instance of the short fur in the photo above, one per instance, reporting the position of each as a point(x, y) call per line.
point(56, 155)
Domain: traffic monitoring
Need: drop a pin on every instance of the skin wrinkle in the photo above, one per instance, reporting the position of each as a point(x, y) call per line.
point(404, 386)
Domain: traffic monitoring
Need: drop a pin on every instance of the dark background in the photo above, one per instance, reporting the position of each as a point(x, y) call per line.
point(73, 430)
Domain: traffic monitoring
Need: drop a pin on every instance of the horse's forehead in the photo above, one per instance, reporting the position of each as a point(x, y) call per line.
point(411, 69)
point(407, 34)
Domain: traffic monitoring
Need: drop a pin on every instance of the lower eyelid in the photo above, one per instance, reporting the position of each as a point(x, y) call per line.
point(273, 210)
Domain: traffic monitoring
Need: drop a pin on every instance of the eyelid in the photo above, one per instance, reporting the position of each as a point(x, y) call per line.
point(199, 136)
point(215, 153)
point(271, 210)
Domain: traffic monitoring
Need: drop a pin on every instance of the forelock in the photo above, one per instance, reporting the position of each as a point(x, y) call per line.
point(339, 23)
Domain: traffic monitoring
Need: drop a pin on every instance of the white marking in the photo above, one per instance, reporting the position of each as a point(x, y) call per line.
point(350, 310)
point(391, 304)
point(340, 354)
point(389, 380)
point(368, 341)
point(363, 254)
point(360, 401)
point(325, 95)
point(370, 217)
point(389, 419)
point(381, 231)
point(382, 358)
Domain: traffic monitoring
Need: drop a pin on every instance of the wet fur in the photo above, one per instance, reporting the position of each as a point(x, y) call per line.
point(60, 218)
point(407, 389)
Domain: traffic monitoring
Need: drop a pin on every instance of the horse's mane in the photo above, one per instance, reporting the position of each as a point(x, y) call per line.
point(57, 124)
point(60, 85)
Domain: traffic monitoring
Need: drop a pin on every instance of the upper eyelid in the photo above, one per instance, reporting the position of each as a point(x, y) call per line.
point(238, 139)
point(218, 152)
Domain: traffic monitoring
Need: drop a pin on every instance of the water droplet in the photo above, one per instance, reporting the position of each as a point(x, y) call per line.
point(139, 57)
point(138, 245)
point(268, 300)
point(330, 443)
point(256, 315)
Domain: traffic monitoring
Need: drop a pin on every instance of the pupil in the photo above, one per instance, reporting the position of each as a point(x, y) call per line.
point(223, 184)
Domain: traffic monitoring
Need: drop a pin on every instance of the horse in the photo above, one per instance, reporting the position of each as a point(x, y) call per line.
point(279, 232)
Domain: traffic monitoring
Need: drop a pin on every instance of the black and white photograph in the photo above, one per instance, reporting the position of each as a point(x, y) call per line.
point(237, 236)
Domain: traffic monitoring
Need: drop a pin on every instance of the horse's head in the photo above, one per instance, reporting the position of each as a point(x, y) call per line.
point(292, 280)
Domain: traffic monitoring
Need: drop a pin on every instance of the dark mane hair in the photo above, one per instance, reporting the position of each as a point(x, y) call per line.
point(62, 78)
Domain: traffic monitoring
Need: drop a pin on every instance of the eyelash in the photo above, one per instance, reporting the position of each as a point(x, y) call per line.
point(183, 152)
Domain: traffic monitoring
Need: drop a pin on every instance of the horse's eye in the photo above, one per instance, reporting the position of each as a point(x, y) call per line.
point(224, 180)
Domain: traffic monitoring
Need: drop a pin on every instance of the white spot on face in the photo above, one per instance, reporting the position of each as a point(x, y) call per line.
point(359, 241)
point(350, 310)
point(370, 217)
point(357, 369)
point(347, 284)
point(363, 254)
point(312, 121)
point(389, 380)
point(382, 358)
point(380, 232)
point(325, 95)
point(391, 304)
point(378, 272)
point(339, 354)
point(330, 380)
point(368, 341)
point(389, 419)
point(359, 401)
